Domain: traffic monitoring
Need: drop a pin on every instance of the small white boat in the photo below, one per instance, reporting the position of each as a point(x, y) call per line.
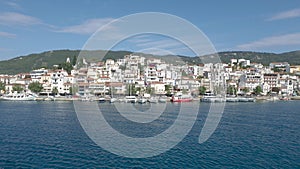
point(112, 100)
point(274, 98)
point(49, 98)
point(86, 99)
point(130, 99)
point(246, 99)
point(232, 99)
point(162, 99)
point(153, 100)
point(240, 99)
point(101, 99)
point(142, 100)
point(122, 100)
point(179, 97)
point(213, 99)
point(19, 97)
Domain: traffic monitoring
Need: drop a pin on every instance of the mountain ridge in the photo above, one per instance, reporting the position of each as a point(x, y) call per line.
point(22, 64)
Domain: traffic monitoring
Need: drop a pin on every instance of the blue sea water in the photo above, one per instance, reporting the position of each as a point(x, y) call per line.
point(250, 135)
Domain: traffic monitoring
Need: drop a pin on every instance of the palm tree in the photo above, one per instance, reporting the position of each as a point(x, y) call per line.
point(258, 90)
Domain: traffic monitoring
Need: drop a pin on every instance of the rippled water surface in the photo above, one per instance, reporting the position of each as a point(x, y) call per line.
point(250, 135)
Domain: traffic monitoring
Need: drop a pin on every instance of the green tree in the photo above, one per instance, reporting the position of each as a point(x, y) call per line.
point(184, 91)
point(202, 90)
point(231, 90)
point(2, 86)
point(275, 69)
point(74, 60)
point(258, 90)
point(55, 91)
point(184, 74)
point(150, 90)
point(200, 77)
point(17, 88)
point(66, 66)
point(131, 89)
point(245, 90)
point(276, 89)
point(35, 87)
point(138, 90)
point(70, 90)
point(168, 89)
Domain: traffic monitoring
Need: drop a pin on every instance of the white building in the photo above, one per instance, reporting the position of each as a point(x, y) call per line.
point(37, 74)
point(58, 80)
point(159, 87)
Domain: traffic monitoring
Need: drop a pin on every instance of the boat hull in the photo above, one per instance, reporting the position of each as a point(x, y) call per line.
point(181, 98)
point(18, 98)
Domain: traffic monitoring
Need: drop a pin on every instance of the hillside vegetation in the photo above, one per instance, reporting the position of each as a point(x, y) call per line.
point(48, 59)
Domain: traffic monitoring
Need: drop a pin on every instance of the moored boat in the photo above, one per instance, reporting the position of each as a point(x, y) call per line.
point(112, 100)
point(179, 97)
point(246, 99)
point(101, 99)
point(163, 99)
point(19, 97)
point(130, 99)
point(142, 100)
point(213, 99)
point(240, 99)
point(153, 100)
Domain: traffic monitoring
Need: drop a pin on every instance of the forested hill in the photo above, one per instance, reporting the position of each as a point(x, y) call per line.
point(48, 59)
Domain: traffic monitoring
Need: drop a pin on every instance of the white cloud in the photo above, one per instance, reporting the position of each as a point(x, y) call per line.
point(88, 27)
point(13, 4)
point(154, 41)
point(272, 42)
point(12, 18)
point(7, 35)
point(4, 49)
point(286, 15)
point(159, 45)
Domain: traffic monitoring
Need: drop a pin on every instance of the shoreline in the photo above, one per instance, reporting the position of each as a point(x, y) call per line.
point(257, 99)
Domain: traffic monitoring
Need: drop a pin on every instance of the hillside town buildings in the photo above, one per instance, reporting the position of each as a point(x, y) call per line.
point(136, 75)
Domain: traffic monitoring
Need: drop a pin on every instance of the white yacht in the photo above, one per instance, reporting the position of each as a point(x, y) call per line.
point(212, 98)
point(240, 99)
point(19, 97)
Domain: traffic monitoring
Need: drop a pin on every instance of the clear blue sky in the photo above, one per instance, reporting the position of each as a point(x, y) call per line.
point(30, 26)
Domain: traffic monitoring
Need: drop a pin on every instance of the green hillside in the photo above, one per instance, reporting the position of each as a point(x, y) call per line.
point(265, 58)
point(50, 58)
point(33, 61)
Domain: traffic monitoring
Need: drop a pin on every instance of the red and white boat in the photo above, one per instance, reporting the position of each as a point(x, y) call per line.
point(179, 97)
